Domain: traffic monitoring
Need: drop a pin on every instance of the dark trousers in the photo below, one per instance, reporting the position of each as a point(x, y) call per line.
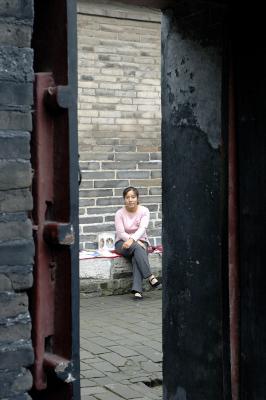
point(140, 263)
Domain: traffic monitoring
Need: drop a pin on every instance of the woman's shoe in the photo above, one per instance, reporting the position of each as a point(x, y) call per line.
point(153, 281)
point(138, 296)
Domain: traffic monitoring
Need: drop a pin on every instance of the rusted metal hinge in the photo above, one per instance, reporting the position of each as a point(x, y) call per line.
point(53, 232)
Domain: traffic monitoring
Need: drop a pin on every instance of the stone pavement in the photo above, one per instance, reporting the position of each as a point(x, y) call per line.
point(121, 347)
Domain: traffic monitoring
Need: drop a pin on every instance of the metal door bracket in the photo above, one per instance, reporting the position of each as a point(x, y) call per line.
point(53, 233)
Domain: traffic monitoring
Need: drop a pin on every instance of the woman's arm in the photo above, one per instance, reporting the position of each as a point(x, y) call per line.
point(144, 222)
point(119, 227)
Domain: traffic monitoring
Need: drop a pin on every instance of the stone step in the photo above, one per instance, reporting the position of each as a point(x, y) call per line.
point(110, 276)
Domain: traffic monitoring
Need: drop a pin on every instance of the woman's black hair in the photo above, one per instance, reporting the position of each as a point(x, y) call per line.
point(128, 189)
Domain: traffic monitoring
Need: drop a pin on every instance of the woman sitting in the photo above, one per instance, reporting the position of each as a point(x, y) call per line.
point(131, 222)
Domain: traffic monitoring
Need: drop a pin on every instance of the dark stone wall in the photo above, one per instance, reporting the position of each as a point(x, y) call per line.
point(192, 42)
point(16, 243)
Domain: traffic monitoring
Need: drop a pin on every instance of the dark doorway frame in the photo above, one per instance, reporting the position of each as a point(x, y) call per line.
point(192, 20)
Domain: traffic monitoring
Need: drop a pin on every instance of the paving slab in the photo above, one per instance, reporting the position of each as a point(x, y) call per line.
point(114, 358)
point(89, 382)
point(92, 390)
point(108, 396)
point(92, 373)
point(123, 391)
point(123, 351)
point(121, 347)
point(92, 347)
point(89, 398)
point(143, 390)
point(105, 366)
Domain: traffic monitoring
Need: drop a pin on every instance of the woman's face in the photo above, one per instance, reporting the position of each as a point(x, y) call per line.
point(131, 200)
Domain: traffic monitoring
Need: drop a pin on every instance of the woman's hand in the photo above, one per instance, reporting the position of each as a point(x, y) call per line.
point(127, 244)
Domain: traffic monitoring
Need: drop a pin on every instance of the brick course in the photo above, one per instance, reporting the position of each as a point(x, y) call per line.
point(16, 243)
point(119, 112)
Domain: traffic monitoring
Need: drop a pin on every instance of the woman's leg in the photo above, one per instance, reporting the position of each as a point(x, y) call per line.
point(140, 263)
point(137, 278)
point(140, 257)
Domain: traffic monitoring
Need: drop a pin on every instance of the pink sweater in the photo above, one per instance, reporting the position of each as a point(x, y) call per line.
point(132, 224)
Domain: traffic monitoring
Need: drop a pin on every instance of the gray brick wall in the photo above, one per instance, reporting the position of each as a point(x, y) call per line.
point(16, 243)
point(119, 113)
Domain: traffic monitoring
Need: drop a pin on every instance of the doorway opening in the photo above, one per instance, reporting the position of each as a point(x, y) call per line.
point(119, 128)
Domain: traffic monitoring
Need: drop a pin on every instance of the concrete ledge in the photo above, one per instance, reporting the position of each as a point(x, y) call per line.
point(109, 276)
